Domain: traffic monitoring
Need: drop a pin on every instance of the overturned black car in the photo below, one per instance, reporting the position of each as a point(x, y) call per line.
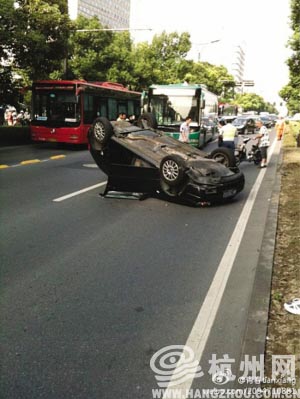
point(144, 160)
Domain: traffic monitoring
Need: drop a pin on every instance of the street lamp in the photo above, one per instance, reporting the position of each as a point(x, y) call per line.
point(205, 44)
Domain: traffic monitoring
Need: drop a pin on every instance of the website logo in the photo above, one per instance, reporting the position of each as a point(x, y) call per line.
point(175, 364)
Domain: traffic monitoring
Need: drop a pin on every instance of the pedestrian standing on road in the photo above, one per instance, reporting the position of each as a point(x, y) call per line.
point(227, 135)
point(185, 130)
point(280, 126)
point(264, 142)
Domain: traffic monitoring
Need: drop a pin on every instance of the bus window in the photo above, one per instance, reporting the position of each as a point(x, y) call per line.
point(112, 109)
point(88, 105)
point(102, 109)
point(122, 108)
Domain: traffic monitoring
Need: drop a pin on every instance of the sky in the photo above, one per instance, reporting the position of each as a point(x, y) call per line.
point(261, 26)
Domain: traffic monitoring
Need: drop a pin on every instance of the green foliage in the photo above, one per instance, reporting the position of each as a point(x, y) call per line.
point(9, 90)
point(163, 61)
point(216, 78)
point(7, 26)
point(291, 92)
point(270, 108)
point(99, 55)
point(40, 36)
point(250, 102)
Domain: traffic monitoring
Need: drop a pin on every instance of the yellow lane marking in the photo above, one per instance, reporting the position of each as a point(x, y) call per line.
point(33, 161)
point(30, 161)
point(57, 156)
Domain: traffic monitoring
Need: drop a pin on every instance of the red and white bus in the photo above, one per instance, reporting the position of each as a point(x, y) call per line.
point(63, 110)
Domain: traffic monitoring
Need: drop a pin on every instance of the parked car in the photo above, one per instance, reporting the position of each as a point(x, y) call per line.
point(267, 121)
point(274, 118)
point(144, 160)
point(245, 124)
point(210, 125)
point(227, 118)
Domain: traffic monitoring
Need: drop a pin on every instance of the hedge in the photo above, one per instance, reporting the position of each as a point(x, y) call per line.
point(14, 135)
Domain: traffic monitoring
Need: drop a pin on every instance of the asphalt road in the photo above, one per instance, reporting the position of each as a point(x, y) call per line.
point(92, 288)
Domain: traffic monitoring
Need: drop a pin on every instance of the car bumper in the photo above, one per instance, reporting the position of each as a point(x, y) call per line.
point(228, 188)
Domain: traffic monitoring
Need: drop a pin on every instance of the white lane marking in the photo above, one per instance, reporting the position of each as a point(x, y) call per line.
point(84, 190)
point(90, 165)
point(203, 324)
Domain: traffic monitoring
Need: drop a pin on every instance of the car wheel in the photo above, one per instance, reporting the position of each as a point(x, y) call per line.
point(224, 156)
point(147, 119)
point(172, 170)
point(102, 130)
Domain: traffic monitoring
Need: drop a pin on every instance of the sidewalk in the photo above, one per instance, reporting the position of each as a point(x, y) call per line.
point(271, 330)
point(283, 336)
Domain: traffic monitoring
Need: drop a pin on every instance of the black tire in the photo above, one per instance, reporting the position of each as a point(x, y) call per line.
point(172, 170)
point(101, 130)
point(224, 156)
point(147, 119)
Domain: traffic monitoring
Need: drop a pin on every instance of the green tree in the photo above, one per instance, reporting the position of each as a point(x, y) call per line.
point(99, 55)
point(121, 68)
point(163, 61)
point(291, 92)
point(250, 102)
point(9, 88)
point(7, 27)
point(40, 35)
point(216, 78)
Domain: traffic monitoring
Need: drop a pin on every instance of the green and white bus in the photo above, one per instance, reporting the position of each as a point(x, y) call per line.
point(172, 103)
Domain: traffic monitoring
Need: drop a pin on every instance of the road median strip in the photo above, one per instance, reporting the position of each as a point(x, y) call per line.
point(33, 161)
point(58, 157)
point(30, 161)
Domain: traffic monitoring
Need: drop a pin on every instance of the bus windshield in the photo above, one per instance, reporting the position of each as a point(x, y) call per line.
point(172, 110)
point(56, 106)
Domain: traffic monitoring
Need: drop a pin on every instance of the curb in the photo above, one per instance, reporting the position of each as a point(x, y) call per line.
point(258, 316)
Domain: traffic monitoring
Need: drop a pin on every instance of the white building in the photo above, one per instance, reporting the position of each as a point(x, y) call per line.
point(237, 67)
point(112, 14)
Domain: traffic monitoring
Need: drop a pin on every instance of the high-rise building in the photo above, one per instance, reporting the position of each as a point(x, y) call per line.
point(112, 14)
point(238, 63)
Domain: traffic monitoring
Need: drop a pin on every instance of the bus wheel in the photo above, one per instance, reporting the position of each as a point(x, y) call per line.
point(147, 119)
point(224, 156)
point(102, 130)
point(172, 170)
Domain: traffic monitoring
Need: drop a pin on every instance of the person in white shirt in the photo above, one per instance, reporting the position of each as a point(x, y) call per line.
point(185, 130)
point(264, 142)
